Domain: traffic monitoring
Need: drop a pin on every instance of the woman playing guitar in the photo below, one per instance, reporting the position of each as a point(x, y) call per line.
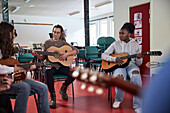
point(63, 53)
point(21, 89)
point(130, 46)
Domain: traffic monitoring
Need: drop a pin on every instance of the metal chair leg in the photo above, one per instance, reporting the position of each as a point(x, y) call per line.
point(38, 107)
point(73, 90)
point(111, 97)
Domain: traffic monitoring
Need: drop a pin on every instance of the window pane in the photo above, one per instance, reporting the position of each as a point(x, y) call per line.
point(93, 38)
point(103, 28)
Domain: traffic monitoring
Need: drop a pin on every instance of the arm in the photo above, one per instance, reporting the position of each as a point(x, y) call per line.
point(139, 59)
point(106, 55)
point(6, 69)
point(74, 52)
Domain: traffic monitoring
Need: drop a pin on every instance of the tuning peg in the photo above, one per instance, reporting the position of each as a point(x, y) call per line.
point(83, 86)
point(84, 76)
point(93, 78)
point(90, 89)
point(76, 72)
point(99, 91)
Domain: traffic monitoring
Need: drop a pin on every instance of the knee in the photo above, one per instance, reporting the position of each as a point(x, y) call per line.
point(44, 88)
point(135, 72)
point(120, 76)
point(25, 88)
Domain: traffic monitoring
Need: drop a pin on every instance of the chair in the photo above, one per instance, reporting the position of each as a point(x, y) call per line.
point(101, 44)
point(81, 59)
point(13, 96)
point(93, 56)
point(25, 58)
point(104, 42)
point(37, 46)
point(108, 41)
point(60, 77)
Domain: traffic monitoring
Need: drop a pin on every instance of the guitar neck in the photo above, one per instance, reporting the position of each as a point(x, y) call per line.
point(133, 56)
point(39, 52)
point(46, 53)
point(26, 66)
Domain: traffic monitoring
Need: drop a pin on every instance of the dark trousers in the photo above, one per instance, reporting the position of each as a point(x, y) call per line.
point(5, 104)
point(53, 71)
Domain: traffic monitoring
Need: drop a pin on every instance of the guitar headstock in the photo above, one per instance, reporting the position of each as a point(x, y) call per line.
point(155, 53)
point(103, 80)
point(92, 77)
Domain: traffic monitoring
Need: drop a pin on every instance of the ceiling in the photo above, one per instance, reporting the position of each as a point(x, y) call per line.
point(55, 8)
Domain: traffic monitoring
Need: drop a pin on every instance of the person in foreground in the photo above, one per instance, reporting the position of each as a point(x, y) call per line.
point(130, 46)
point(157, 95)
point(21, 89)
point(58, 40)
point(5, 103)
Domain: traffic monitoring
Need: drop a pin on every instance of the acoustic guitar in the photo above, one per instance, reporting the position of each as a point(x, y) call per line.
point(110, 66)
point(18, 76)
point(54, 53)
point(104, 80)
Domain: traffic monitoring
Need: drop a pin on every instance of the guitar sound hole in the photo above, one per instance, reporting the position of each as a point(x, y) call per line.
point(108, 63)
point(65, 51)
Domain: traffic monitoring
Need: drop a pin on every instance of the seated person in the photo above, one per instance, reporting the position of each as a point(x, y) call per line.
point(5, 103)
point(130, 46)
point(21, 89)
point(58, 41)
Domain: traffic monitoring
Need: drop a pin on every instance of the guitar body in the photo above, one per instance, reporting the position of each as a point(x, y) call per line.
point(9, 61)
point(16, 76)
point(111, 66)
point(59, 51)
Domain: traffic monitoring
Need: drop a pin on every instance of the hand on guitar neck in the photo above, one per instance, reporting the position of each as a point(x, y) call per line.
point(34, 53)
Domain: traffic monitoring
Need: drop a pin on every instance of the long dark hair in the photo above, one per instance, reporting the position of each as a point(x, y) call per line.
point(63, 35)
point(6, 43)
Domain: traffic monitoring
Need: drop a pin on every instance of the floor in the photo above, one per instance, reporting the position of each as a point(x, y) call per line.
point(84, 101)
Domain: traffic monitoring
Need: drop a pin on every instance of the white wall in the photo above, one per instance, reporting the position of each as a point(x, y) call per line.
point(28, 34)
point(121, 13)
point(160, 27)
point(159, 24)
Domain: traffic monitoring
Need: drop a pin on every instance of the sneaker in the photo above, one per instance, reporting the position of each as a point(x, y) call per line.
point(116, 104)
point(138, 110)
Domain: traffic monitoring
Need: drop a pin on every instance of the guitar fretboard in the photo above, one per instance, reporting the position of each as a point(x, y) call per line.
point(134, 55)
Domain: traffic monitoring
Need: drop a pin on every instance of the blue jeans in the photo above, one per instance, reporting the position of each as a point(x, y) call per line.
point(134, 78)
point(23, 89)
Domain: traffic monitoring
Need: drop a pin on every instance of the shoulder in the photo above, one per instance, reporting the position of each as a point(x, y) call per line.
point(49, 40)
point(133, 41)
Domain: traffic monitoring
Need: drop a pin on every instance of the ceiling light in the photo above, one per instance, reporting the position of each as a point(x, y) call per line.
point(73, 13)
point(102, 3)
point(31, 6)
point(27, 1)
point(13, 9)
